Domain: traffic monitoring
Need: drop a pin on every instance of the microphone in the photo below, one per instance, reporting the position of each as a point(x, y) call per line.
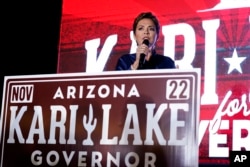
point(142, 56)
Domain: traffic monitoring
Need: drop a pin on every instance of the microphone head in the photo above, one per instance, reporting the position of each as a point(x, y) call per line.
point(146, 42)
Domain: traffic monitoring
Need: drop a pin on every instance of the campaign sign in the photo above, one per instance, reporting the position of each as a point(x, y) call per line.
point(130, 118)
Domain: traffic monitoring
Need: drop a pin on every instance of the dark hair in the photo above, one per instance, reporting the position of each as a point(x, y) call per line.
point(147, 15)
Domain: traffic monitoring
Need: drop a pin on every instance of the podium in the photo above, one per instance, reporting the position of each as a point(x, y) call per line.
point(127, 118)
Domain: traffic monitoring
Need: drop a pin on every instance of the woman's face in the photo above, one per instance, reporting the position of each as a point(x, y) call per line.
point(145, 29)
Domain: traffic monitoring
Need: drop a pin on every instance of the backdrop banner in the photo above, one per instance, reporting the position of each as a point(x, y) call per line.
point(140, 118)
point(213, 36)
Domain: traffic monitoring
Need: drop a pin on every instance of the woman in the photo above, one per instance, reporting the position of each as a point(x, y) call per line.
point(146, 30)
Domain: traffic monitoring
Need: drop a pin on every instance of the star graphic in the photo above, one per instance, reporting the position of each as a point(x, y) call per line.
point(234, 62)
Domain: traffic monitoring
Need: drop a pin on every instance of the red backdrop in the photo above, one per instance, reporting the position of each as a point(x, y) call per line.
point(211, 35)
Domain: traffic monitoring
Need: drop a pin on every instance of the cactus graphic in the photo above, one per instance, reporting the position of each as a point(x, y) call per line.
point(89, 126)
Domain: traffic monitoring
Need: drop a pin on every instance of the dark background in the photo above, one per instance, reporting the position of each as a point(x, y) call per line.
point(30, 38)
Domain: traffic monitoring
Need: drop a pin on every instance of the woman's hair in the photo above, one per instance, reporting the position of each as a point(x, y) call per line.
point(147, 15)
